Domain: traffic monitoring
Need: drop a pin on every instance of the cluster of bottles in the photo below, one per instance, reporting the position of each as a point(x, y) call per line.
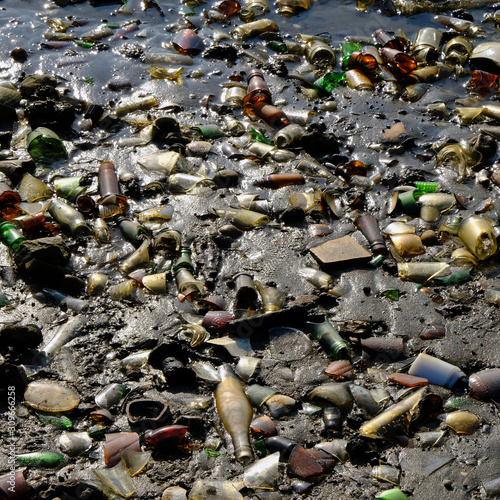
point(394, 63)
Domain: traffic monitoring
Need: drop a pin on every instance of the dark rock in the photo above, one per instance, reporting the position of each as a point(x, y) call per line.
point(19, 54)
point(44, 92)
point(383, 348)
point(222, 51)
point(21, 336)
point(119, 85)
point(12, 375)
point(132, 50)
point(51, 250)
point(226, 178)
point(51, 114)
point(361, 450)
point(8, 115)
point(292, 216)
point(15, 169)
point(30, 84)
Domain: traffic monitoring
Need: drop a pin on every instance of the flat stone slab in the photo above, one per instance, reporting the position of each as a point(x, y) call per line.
point(340, 251)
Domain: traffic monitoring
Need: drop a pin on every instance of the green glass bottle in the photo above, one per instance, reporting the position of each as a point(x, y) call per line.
point(11, 235)
point(45, 146)
point(46, 459)
point(459, 278)
point(184, 261)
point(325, 85)
point(330, 339)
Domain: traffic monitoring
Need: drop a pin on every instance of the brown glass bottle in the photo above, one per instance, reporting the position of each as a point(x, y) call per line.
point(354, 167)
point(368, 225)
point(257, 91)
point(398, 61)
point(386, 40)
point(271, 114)
point(111, 201)
point(364, 62)
point(276, 181)
point(37, 226)
point(9, 199)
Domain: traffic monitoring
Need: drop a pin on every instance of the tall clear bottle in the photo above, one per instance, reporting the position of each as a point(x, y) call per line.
point(235, 412)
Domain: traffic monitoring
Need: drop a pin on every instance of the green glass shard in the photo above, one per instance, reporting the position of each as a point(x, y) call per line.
point(61, 422)
point(212, 453)
point(258, 137)
point(391, 294)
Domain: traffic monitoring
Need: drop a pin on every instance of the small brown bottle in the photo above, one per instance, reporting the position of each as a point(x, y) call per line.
point(364, 62)
point(37, 226)
point(257, 91)
point(386, 40)
point(271, 114)
point(398, 61)
point(350, 169)
point(368, 225)
point(276, 181)
point(111, 202)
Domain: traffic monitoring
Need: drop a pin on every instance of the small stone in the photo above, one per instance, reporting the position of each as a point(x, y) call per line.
point(340, 251)
point(198, 148)
point(230, 231)
point(51, 396)
point(392, 134)
point(52, 250)
point(31, 83)
point(19, 54)
point(174, 493)
point(20, 336)
point(429, 238)
point(307, 464)
point(226, 178)
point(74, 443)
point(263, 426)
point(407, 380)
point(384, 346)
point(280, 405)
